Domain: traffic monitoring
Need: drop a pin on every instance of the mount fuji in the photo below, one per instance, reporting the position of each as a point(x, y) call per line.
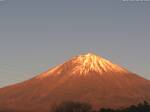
point(84, 78)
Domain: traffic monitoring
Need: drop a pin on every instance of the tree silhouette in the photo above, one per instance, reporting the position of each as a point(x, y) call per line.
point(72, 107)
point(141, 107)
point(84, 107)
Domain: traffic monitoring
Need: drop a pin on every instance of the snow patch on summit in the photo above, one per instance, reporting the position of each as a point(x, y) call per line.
point(84, 64)
point(93, 63)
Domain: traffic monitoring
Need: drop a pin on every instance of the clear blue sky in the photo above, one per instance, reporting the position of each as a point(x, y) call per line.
point(38, 34)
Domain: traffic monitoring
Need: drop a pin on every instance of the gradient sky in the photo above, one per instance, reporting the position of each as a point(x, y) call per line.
point(38, 34)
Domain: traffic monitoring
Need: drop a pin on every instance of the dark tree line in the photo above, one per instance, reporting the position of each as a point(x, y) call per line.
point(84, 107)
point(72, 107)
point(141, 107)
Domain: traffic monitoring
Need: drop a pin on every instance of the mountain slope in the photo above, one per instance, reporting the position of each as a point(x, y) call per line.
point(86, 78)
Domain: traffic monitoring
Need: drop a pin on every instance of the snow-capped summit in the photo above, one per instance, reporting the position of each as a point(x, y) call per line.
point(83, 65)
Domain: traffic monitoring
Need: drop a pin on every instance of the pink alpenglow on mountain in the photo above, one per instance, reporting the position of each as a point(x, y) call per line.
point(84, 78)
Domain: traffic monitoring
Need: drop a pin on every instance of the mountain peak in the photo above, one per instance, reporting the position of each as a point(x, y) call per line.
point(84, 65)
point(92, 63)
point(89, 57)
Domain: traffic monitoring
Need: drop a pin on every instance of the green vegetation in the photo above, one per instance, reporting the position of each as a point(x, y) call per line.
point(84, 107)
